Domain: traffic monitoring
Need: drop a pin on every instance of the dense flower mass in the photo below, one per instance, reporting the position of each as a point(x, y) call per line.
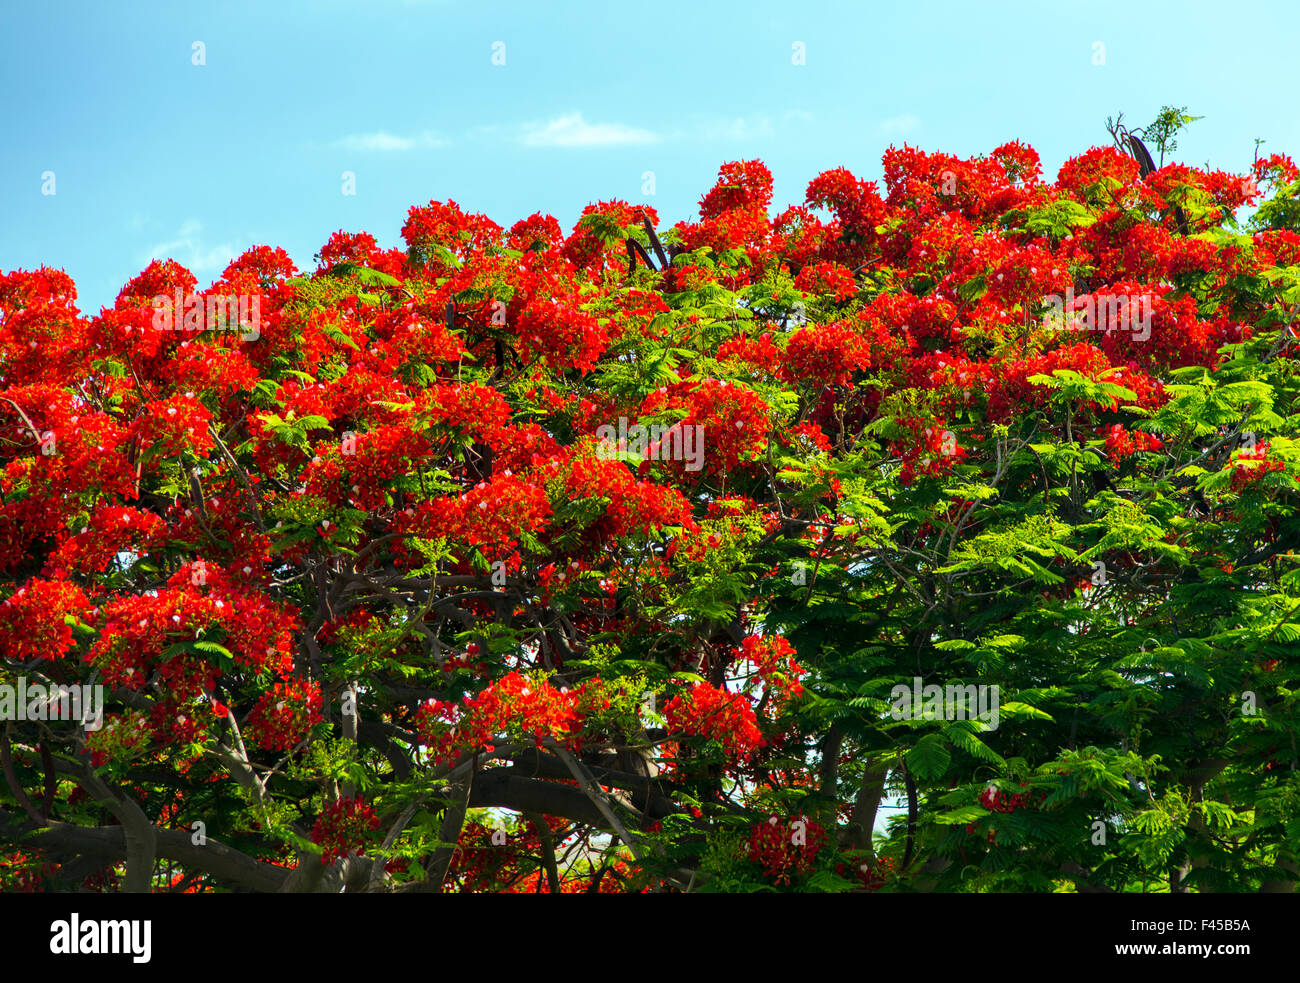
point(347, 556)
point(786, 850)
point(344, 827)
point(707, 711)
point(284, 715)
point(515, 702)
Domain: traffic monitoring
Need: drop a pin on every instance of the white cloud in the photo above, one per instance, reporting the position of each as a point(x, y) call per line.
point(188, 250)
point(740, 128)
point(758, 127)
point(384, 142)
point(572, 130)
point(900, 125)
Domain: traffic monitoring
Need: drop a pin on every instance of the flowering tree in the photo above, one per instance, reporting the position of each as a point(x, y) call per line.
point(976, 493)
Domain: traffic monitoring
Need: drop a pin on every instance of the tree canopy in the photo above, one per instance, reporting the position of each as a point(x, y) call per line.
point(658, 559)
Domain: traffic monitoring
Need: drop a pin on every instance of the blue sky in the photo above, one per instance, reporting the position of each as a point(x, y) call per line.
point(153, 155)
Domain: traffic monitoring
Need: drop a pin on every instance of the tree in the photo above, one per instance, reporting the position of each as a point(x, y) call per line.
point(1162, 131)
point(625, 561)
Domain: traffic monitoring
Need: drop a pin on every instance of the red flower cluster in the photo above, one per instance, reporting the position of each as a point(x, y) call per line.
point(173, 631)
point(872, 877)
point(773, 659)
point(344, 828)
point(515, 703)
point(629, 505)
point(1121, 443)
point(932, 452)
point(32, 619)
point(285, 714)
point(170, 426)
point(827, 278)
point(109, 532)
point(722, 716)
point(995, 800)
point(735, 419)
point(359, 469)
point(760, 353)
point(446, 226)
point(825, 355)
point(492, 515)
point(786, 851)
point(1250, 467)
point(562, 334)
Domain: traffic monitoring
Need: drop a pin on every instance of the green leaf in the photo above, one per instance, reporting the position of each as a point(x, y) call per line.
point(961, 817)
point(1016, 709)
point(930, 758)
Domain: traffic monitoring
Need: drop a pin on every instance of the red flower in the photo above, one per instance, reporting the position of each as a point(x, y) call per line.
point(344, 828)
point(786, 850)
point(285, 714)
point(707, 711)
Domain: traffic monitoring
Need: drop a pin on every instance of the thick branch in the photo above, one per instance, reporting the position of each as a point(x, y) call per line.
point(108, 844)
